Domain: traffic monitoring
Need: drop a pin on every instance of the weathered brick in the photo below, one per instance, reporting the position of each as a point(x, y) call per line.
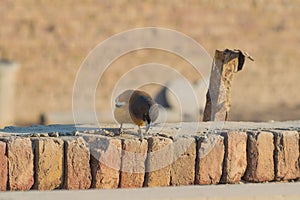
point(105, 161)
point(260, 162)
point(286, 155)
point(235, 158)
point(299, 156)
point(77, 173)
point(210, 150)
point(134, 153)
point(183, 166)
point(20, 163)
point(3, 166)
point(158, 163)
point(48, 163)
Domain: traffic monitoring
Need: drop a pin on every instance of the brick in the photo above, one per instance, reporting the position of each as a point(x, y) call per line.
point(134, 154)
point(77, 173)
point(158, 163)
point(20, 163)
point(183, 167)
point(235, 158)
point(210, 150)
point(3, 166)
point(260, 163)
point(48, 163)
point(286, 155)
point(105, 161)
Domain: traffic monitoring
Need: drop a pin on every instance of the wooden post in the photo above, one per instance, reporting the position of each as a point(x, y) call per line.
point(225, 64)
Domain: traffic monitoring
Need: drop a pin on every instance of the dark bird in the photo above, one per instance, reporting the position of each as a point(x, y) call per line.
point(136, 107)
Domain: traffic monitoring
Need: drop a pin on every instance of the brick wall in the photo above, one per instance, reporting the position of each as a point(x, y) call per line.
point(36, 158)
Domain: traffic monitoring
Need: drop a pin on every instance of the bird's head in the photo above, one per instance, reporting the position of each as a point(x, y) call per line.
point(123, 98)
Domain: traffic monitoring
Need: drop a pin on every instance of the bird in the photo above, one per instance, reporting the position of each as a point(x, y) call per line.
point(135, 107)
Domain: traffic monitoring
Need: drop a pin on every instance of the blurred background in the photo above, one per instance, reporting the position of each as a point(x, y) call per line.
point(49, 39)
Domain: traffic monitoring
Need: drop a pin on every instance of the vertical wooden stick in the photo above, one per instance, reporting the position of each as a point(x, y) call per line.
point(225, 64)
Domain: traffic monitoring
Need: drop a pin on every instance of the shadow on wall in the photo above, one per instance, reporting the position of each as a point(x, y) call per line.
point(64, 129)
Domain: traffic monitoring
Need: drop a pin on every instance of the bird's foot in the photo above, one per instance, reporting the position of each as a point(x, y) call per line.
point(119, 132)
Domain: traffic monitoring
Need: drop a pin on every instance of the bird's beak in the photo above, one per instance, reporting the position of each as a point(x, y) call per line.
point(119, 104)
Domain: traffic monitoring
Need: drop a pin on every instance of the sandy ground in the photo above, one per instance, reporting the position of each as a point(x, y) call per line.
point(50, 39)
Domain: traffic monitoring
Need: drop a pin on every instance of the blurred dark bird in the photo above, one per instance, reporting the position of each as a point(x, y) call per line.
point(136, 107)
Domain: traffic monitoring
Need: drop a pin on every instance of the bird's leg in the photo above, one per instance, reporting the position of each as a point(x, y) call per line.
point(147, 127)
point(140, 132)
point(121, 129)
